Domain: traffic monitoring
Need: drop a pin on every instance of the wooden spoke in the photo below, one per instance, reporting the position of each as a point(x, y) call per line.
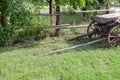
point(113, 36)
point(113, 40)
point(93, 28)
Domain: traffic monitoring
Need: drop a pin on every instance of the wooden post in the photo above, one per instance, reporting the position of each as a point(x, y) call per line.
point(3, 20)
point(107, 8)
point(57, 21)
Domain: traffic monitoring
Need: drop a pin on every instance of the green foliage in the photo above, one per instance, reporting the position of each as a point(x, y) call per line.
point(19, 18)
point(7, 36)
point(40, 20)
point(25, 35)
point(9, 5)
point(15, 12)
point(30, 34)
point(82, 3)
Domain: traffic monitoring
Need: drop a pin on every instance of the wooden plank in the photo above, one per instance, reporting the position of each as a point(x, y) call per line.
point(68, 27)
point(59, 27)
point(77, 12)
point(40, 27)
point(70, 13)
point(89, 11)
point(63, 13)
point(43, 14)
point(106, 18)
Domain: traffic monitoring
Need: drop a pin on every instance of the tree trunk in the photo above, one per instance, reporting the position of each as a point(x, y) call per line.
point(3, 20)
point(51, 10)
point(50, 6)
point(84, 14)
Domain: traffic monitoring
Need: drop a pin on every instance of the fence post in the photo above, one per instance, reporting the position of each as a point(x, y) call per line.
point(57, 20)
point(51, 10)
point(107, 8)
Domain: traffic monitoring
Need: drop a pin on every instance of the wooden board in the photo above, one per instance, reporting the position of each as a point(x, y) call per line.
point(106, 18)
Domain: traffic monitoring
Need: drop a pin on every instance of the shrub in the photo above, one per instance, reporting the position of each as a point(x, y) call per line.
point(7, 36)
point(25, 35)
point(10, 36)
point(31, 34)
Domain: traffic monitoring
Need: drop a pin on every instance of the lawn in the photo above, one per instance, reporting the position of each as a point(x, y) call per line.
point(94, 62)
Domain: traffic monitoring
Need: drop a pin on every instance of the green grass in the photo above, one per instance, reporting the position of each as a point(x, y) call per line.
point(95, 62)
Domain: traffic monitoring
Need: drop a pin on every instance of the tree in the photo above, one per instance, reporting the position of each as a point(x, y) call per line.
point(3, 7)
point(12, 9)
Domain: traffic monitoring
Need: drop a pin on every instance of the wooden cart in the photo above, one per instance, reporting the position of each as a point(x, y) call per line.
point(107, 25)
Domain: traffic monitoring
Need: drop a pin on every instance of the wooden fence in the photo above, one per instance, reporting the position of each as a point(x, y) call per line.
point(58, 15)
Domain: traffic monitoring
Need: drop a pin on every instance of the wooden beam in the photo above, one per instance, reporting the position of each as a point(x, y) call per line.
point(70, 13)
point(68, 27)
point(59, 27)
point(87, 11)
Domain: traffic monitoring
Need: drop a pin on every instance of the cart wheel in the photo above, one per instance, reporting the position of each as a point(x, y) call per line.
point(92, 30)
point(114, 36)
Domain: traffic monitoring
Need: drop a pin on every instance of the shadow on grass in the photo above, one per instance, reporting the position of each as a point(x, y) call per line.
point(71, 42)
point(82, 40)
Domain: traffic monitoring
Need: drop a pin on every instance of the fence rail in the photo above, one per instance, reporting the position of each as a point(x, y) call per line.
point(62, 27)
point(70, 13)
point(59, 26)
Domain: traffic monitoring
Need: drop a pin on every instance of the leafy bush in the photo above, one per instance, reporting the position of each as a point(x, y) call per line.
point(7, 36)
point(25, 35)
point(31, 34)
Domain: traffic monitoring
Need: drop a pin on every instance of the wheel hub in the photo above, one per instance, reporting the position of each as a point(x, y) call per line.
point(118, 36)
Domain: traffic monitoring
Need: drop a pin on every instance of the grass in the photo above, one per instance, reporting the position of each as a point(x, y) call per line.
point(95, 62)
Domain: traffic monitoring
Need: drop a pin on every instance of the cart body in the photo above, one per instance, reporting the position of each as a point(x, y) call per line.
point(107, 25)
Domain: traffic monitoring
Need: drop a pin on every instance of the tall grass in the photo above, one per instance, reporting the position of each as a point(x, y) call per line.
point(90, 62)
